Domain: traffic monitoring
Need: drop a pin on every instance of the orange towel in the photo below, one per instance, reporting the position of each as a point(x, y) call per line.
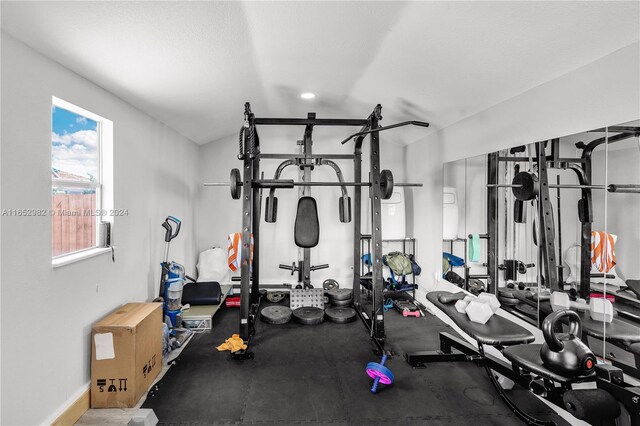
point(233, 344)
point(234, 250)
point(602, 250)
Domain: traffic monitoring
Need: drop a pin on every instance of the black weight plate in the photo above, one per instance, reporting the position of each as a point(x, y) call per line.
point(506, 292)
point(342, 303)
point(527, 309)
point(528, 186)
point(340, 294)
point(235, 184)
point(308, 315)
point(508, 300)
point(275, 296)
point(330, 284)
point(340, 315)
point(276, 314)
point(386, 184)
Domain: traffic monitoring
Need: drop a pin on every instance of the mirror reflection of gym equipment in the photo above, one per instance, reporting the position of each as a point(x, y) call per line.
point(533, 227)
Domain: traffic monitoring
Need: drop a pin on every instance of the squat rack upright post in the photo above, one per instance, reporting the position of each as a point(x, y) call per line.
point(374, 320)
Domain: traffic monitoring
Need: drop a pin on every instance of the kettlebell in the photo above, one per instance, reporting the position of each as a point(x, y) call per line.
point(566, 354)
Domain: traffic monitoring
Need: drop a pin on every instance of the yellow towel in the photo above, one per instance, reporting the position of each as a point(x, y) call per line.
point(233, 344)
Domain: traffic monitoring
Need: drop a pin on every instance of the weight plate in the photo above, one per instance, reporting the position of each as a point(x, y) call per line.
point(386, 184)
point(340, 315)
point(276, 314)
point(527, 309)
point(340, 294)
point(235, 184)
point(330, 284)
point(528, 186)
point(506, 292)
point(275, 296)
point(508, 300)
point(309, 315)
point(342, 303)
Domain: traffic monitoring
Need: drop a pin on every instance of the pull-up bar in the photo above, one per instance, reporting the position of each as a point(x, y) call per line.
point(391, 126)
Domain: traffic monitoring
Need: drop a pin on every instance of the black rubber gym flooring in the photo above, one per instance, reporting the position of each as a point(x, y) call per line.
point(316, 374)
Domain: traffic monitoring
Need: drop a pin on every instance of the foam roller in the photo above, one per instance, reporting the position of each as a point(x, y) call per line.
point(592, 405)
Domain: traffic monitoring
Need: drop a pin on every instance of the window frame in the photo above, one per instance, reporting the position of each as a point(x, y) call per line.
point(102, 124)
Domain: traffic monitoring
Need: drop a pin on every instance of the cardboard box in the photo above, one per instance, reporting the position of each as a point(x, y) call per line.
point(126, 355)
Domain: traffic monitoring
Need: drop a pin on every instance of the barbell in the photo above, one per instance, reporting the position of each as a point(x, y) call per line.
point(525, 186)
point(235, 184)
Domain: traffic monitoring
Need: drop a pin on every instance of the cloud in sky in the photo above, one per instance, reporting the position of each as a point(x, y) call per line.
point(76, 152)
point(86, 138)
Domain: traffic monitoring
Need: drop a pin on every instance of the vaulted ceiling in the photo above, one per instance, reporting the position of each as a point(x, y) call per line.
point(192, 65)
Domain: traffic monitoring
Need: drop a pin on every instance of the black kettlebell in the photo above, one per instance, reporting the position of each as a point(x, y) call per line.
point(566, 354)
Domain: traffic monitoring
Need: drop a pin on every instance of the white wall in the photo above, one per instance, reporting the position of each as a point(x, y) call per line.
point(47, 313)
point(220, 215)
point(469, 177)
point(604, 92)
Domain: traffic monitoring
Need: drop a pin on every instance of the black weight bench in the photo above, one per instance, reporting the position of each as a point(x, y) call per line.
point(498, 332)
point(526, 358)
point(596, 406)
point(526, 367)
point(618, 332)
point(306, 234)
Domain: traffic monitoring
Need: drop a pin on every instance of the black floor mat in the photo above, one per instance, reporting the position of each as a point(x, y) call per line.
point(315, 374)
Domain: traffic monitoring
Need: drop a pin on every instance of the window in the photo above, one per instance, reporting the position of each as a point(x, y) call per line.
point(78, 178)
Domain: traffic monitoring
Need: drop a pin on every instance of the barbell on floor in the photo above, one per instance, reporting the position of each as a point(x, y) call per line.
point(235, 184)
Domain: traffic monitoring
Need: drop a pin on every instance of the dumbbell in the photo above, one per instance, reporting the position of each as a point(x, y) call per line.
point(461, 305)
point(379, 373)
point(560, 300)
point(482, 308)
point(599, 309)
point(478, 309)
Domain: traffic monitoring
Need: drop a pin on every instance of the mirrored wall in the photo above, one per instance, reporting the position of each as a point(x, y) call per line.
point(553, 225)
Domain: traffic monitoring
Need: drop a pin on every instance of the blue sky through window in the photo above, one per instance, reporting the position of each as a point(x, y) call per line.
point(74, 145)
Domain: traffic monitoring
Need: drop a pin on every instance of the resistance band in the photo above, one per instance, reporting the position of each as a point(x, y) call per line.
point(474, 248)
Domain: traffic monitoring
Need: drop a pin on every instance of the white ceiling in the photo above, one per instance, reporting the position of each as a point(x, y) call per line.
point(192, 65)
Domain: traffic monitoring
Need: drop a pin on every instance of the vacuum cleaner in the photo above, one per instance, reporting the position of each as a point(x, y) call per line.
point(172, 277)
